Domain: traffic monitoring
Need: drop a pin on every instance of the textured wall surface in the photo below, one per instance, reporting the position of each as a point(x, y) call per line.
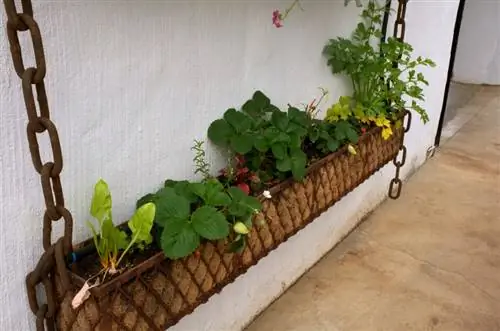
point(132, 83)
point(478, 52)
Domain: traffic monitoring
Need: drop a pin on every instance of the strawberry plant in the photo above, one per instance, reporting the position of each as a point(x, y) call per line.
point(189, 212)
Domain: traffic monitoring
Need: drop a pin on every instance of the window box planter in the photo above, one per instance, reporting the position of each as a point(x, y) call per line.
point(158, 292)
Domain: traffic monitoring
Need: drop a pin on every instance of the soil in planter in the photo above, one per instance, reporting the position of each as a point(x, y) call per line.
point(90, 265)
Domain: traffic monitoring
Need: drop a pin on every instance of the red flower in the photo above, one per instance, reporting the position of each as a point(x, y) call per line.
point(244, 187)
point(277, 21)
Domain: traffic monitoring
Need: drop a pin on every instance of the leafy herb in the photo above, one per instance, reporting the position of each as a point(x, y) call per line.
point(380, 89)
point(110, 240)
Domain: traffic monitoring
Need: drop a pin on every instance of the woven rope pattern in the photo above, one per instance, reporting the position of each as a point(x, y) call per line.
point(158, 297)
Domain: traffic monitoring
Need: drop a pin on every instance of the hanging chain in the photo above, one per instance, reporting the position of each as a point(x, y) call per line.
point(53, 258)
point(396, 183)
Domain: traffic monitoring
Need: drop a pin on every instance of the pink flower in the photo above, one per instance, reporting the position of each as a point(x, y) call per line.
point(277, 20)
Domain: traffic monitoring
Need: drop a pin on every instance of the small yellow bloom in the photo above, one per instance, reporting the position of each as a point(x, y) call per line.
point(386, 132)
point(240, 228)
point(382, 121)
point(351, 149)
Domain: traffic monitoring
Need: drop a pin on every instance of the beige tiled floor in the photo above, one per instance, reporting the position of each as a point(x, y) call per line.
point(428, 261)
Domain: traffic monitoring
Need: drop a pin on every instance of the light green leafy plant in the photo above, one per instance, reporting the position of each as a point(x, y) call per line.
point(111, 243)
point(381, 90)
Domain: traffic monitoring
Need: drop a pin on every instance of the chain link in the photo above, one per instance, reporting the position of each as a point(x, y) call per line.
point(396, 183)
point(53, 258)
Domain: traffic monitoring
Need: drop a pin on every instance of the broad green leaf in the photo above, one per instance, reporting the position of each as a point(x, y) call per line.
point(279, 151)
point(236, 193)
point(171, 205)
point(219, 199)
point(284, 165)
point(174, 226)
point(260, 143)
point(238, 120)
point(219, 132)
point(184, 189)
point(333, 144)
point(242, 144)
point(298, 164)
point(251, 108)
point(119, 239)
point(100, 206)
point(295, 140)
point(261, 100)
point(252, 202)
point(297, 116)
point(280, 120)
point(180, 244)
point(210, 223)
point(213, 194)
point(141, 223)
point(199, 189)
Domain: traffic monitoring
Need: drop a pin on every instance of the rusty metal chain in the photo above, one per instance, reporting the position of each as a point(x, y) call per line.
point(396, 183)
point(53, 258)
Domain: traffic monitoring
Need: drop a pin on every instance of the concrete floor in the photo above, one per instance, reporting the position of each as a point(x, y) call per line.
point(428, 261)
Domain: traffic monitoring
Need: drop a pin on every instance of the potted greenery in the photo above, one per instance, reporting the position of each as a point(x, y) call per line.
point(285, 167)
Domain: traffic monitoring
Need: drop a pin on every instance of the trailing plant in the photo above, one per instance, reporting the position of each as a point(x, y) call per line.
point(111, 243)
point(380, 89)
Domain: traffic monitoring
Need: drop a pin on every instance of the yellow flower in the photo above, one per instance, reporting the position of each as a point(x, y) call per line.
point(386, 132)
point(351, 149)
point(382, 121)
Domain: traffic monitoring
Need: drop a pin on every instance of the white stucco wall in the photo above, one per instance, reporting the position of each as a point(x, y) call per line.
point(477, 59)
point(131, 84)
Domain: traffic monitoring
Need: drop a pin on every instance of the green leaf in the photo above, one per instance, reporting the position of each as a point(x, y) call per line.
point(238, 120)
point(119, 239)
point(171, 205)
point(242, 144)
point(279, 151)
point(252, 202)
point(180, 244)
point(219, 132)
point(100, 206)
point(184, 189)
point(213, 194)
point(280, 120)
point(210, 223)
point(298, 164)
point(333, 144)
point(297, 116)
point(219, 199)
point(236, 193)
point(141, 223)
point(284, 165)
point(261, 100)
point(260, 143)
